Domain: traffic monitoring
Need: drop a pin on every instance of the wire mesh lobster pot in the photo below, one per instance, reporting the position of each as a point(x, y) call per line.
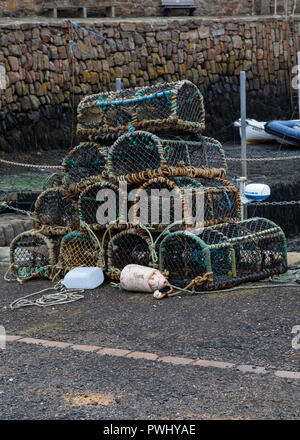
point(161, 107)
point(131, 246)
point(80, 248)
point(139, 156)
point(205, 152)
point(33, 254)
point(55, 212)
point(83, 161)
point(134, 153)
point(224, 255)
point(99, 205)
point(186, 201)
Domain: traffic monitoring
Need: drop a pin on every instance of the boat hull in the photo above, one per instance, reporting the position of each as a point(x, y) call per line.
point(255, 131)
point(287, 132)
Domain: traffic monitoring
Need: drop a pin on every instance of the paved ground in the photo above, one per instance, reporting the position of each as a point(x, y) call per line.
point(250, 327)
point(47, 383)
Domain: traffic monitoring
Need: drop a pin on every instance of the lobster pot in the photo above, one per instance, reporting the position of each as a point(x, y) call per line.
point(134, 153)
point(203, 153)
point(99, 205)
point(54, 211)
point(185, 201)
point(139, 156)
point(131, 246)
point(32, 254)
point(158, 108)
point(84, 161)
point(80, 249)
point(222, 201)
point(224, 255)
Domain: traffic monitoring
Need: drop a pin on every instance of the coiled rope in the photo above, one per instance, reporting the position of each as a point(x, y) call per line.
point(61, 296)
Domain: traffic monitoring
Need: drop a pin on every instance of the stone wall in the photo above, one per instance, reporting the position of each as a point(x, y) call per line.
point(44, 83)
point(137, 7)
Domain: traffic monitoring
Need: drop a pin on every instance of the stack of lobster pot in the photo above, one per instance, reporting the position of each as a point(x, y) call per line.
point(143, 178)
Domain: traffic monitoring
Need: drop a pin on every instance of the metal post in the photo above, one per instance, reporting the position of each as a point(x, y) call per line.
point(243, 140)
point(275, 7)
point(243, 124)
point(118, 84)
point(298, 82)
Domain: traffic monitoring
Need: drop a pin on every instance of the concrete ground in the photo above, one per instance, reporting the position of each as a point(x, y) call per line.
point(139, 358)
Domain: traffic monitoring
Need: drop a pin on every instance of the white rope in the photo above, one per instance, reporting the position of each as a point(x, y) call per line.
point(231, 289)
point(8, 162)
point(263, 159)
point(62, 296)
point(92, 235)
point(21, 211)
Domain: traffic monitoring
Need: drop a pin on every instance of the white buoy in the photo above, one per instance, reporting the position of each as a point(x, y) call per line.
point(257, 192)
point(136, 278)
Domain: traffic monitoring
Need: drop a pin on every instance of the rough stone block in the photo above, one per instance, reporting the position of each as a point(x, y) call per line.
point(2, 237)
point(8, 233)
point(14, 63)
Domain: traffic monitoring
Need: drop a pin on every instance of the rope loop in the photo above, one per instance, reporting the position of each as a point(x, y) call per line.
point(194, 284)
point(62, 295)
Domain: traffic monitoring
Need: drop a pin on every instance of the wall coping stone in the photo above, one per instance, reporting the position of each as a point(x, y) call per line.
point(27, 24)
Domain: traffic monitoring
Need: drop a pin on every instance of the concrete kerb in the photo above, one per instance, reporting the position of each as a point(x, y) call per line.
point(137, 355)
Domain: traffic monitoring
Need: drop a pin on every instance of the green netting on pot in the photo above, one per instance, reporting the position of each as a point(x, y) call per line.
point(131, 246)
point(99, 205)
point(158, 108)
point(224, 255)
point(33, 254)
point(84, 161)
point(203, 153)
point(134, 153)
point(55, 212)
point(139, 156)
point(81, 248)
point(185, 201)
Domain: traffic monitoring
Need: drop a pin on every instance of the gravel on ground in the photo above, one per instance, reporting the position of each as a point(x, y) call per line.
point(247, 326)
point(47, 383)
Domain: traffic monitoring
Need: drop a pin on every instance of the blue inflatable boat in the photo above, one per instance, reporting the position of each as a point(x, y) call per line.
point(287, 132)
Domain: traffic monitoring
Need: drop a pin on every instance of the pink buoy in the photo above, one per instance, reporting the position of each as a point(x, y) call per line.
point(136, 278)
